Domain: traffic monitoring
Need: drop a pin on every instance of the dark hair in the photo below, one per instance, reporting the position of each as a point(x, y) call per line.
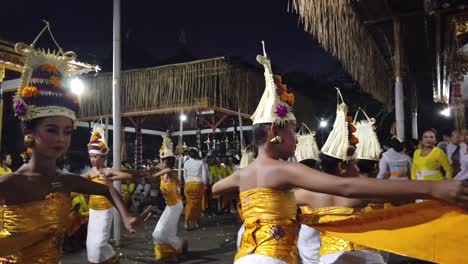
point(395, 144)
point(29, 126)
point(329, 164)
point(193, 153)
point(309, 163)
point(4, 156)
point(170, 161)
point(260, 133)
point(367, 166)
point(433, 130)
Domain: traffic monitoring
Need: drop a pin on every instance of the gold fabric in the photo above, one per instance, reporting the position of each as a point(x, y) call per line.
point(193, 194)
point(98, 202)
point(33, 232)
point(430, 231)
point(331, 244)
point(163, 251)
point(170, 191)
point(270, 224)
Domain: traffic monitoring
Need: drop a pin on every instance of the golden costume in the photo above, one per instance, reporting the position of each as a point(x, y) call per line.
point(270, 225)
point(33, 232)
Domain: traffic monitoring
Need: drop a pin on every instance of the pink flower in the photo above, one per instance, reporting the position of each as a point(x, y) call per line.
point(281, 110)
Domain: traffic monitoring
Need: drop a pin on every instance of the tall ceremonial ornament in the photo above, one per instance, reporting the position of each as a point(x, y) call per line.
point(98, 142)
point(276, 103)
point(368, 147)
point(341, 140)
point(306, 147)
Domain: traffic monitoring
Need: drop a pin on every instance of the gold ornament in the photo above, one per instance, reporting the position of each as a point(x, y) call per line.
point(276, 140)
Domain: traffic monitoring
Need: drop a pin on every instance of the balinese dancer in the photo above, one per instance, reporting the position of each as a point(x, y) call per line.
point(167, 245)
point(196, 177)
point(335, 250)
point(37, 196)
point(268, 205)
point(100, 209)
point(308, 240)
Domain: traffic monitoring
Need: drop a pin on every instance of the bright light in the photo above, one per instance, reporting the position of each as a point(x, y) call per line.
point(77, 86)
point(183, 117)
point(445, 112)
point(323, 123)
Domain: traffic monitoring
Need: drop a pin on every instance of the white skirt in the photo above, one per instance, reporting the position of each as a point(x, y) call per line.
point(353, 257)
point(97, 241)
point(258, 259)
point(308, 245)
point(166, 229)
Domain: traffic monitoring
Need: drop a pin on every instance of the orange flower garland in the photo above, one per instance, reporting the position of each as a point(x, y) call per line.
point(55, 81)
point(351, 129)
point(49, 68)
point(29, 91)
point(282, 91)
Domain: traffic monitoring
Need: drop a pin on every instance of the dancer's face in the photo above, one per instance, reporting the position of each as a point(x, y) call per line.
point(52, 136)
point(428, 139)
point(97, 160)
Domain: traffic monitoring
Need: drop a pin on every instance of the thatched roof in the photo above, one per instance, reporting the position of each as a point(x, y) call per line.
point(338, 29)
point(216, 83)
point(361, 35)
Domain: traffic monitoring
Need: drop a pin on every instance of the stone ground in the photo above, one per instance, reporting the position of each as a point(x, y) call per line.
point(214, 242)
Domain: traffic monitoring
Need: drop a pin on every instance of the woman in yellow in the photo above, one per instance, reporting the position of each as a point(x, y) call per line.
point(5, 164)
point(167, 245)
point(37, 196)
point(428, 160)
point(100, 208)
point(269, 205)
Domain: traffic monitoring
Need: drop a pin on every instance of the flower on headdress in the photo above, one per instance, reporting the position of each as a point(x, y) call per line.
point(94, 138)
point(49, 68)
point(281, 110)
point(101, 144)
point(104, 150)
point(55, 81)
point(353, 139)
point(20, 109)
point(29, 91)
point(28, 150)
point(89, 145)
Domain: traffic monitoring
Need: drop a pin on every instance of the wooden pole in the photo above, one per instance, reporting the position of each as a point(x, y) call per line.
point(116, 111)
point(399, 106)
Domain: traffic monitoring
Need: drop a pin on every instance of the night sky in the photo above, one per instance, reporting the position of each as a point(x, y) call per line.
point(211, 28)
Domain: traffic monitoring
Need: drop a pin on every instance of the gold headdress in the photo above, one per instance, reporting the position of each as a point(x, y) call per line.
point(166, 148)
point(97, 143)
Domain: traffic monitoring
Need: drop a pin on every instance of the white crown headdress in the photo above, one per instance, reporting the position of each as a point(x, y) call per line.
point(97, 143)
point(247, 157)
point(368, 147)
point(340, 138)
point(306, 147)
point(275, 106)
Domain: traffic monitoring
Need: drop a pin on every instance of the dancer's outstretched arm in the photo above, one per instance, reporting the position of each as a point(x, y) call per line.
point(228, 184)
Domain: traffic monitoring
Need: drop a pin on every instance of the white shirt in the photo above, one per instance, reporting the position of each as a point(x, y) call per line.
point(196, 171)
point(394, 166)
point(451, 149)
point(462, 175)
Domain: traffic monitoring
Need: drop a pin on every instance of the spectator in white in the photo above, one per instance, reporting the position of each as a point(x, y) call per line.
point(454, 150)
point(463, 174)
point(141, 196)
point(444, 142)
point(395, 164)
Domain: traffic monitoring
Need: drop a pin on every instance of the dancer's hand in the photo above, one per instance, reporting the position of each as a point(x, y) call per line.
point(132, 222)
point(451, 191)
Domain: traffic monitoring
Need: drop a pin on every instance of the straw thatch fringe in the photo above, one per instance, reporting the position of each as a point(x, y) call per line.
point(171, 88)
point(338, 29)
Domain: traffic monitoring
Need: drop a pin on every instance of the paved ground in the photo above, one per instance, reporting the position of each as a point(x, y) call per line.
point(215, 242)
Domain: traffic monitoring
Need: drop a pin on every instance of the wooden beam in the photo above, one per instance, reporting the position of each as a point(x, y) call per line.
point(220, 121)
